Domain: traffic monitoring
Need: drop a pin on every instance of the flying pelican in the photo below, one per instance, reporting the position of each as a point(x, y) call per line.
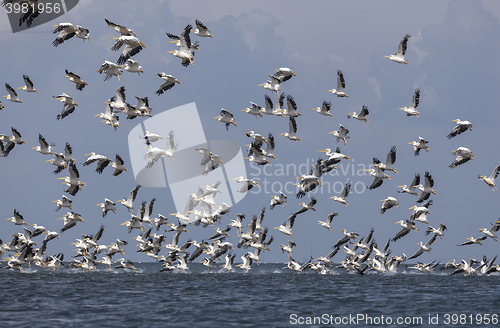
point(247, 263)
point(73, 181)
point(284, 73)
point(460, 128)
point(257, 137)
point(427, 188)
point(16, 137)
point(491, 232)
point(407, 227)
point(128, 203)
point(132, 47)
point(325, 108)
point(229, 262)
point(308, 206)
point(247, 184)
point(463, 156)
point(389, 202)
point(150, 137)
point(341, 133)
point(107, 206)
point(201, 30)
point(253, 110)
point(125, 265)
point(292, 107)
point(420, 212)
point(310, 181)
point(340, 86)
point(143, 106)
point(343, 195)
point(418, 145)
point(170, 81)
point(12, 96)
point(220, 233)
point(438, 231)
point(278, 109)
point(399, 56)
point(412, 110)
point(226, 118)
point(70, 220)
point(490, 181)
point(258, 154)
point(237, 223)
point(411, 188)
point(184, 216)
point(292, 130)
point(67, 31)
point(110, 69)
point(132, 66)
point(64, 202)
point(69, 105)
point(120, 28)
point(80, 84)
point(272, 85)
point(347, 236)
point(423, 248)
point(378, 173)
point(328, 223)
point(17, 219)
point(6, 149)
point(58, 161)
point(287, 226)
point(389, 162)
point(154, 154)
point(278, 199)
point(472, 241)
point(361, 116)
point(214, 159)
point(186, 49)
point(118, 165)
point(44, 147)
point(102, 161)
point(29, 85)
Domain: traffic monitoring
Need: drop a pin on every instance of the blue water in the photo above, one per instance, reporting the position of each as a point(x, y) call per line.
point(266, 296)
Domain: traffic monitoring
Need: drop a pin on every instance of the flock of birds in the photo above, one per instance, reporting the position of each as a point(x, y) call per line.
point(362, 254)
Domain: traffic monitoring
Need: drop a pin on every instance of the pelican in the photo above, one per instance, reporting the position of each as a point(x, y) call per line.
point(472, 241)
point(412, 110)
point(328, 223)
point(347, 236)
point(128, 203)
point(118, 165)
point(270, 145)
point(184, 216)
point(120, 28)
point(229, 262)
point(278, 109)
point(226, 118)
point(490, 181)
point(150, 137)
point(310, 181)
point(427, 188)
point(420, 212)
point(28, 85)
point(80, 84)
point(278, 200)
point(247, 184)
point(220, 233)
point(132, 66)
point(460, 128)
point(333, 158)
point(170, 81)
point(214, 159)
point(186, 49)
point(125, 265)
point(64, 202)
point(16, 137)
point(70, 220)
point(44, 147)
point(292, 130)
point(247, 263)
point(411, 189)
point(58, 161)
point(237, 223)
point(361, 116)
point(340, 86)
point(389, 202)
point(343, 195)
point(292, 107)
point(438, 231)
point(143, 106)
point(17, 219)
point(258, 154)
point(284, 73)
point(102, 161)
point(110, 69)
point(378, 173)
point(269, 106)
point(201, 30)
point(67, 31)
point(308, 206)
point(6, 149)
point(389, 162)
point(253, 110)
point(399, 56)
point(423, 248)
point(154, 154)
point(257, 137)
point(288, 248)
point(73, 181)
point(491, 232)
point(418, 145)
point(135, 222)
point(12, 96)
point(463, 156)
point(69, 105)
point(407, 227)
point(272, 85)
point(325, 108)
point(341, 133)
point(107, 206)
point(287, 226)
point(132, 47)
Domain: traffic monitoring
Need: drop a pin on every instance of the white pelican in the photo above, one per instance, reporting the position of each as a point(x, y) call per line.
point(333, 158)
point(67, 31)
point(411, 189)
point(29, 85)
point(287, 226)
point(6, 149)
point(378, 173)
point(17, 219)
point(305, 207)
point(154, 154)
point(211, 160)
point(423, 248)
point(247, 184)
point(186, 49)
point(472, 241)
point(238, 222)
point(109, 116)
point(270, 145)
point(150, 137)
point(389, 202)
point(284, 73)
point(70, 220)
point(102, 161)
point(407, 227)
point(2, 107)
point(132, 66)
point(258, 154)
point(257, 137)
point(64, 202)
point(418, 145)
point(310, 181)
point(44, 147)
point(399, 57)
point(278, 109)
point(229, 262)
point(328, 223)
point(463, 156)
point(16, 137)
point(128, 203)
point(438, 231)
point(325, 108)
point(389, 161)
point(69, 105)
point(490, 181)
point(132, 47)
point(341, 133)
point(272, 85)
point(58, 161)
point(292, 107)
point(184, 216)
point(107, 206)
point(170, 81)
point(278, 200)
point(247, 263)
point(118, 165)
point(361, 116)
point(12, 96)
point(288, 248)
point(80, 84)
point(347, 236)
point(110, 69)
point(220, 233)
point(135, 222)
point(201, 30)
point(412, 110)
point(120, 28)
point(292, 130)
point(125, 265)
point(253, 110)
point(420, 212)
point(491, 232)
point(226, 118)
point(340, 86)
point(460, 128)
point(426, 189)
point(343, 195)
point(143, 106)
point(73, 181)
point(269, 106)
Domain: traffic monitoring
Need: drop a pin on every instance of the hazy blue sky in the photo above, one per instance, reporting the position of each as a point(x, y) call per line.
point(453, 58)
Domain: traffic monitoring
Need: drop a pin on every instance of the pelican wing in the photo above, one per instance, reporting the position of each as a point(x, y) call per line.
point(403, 45)
point(340, 81)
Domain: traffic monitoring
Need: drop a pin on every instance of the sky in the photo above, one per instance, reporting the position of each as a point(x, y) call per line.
point(452, 55)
